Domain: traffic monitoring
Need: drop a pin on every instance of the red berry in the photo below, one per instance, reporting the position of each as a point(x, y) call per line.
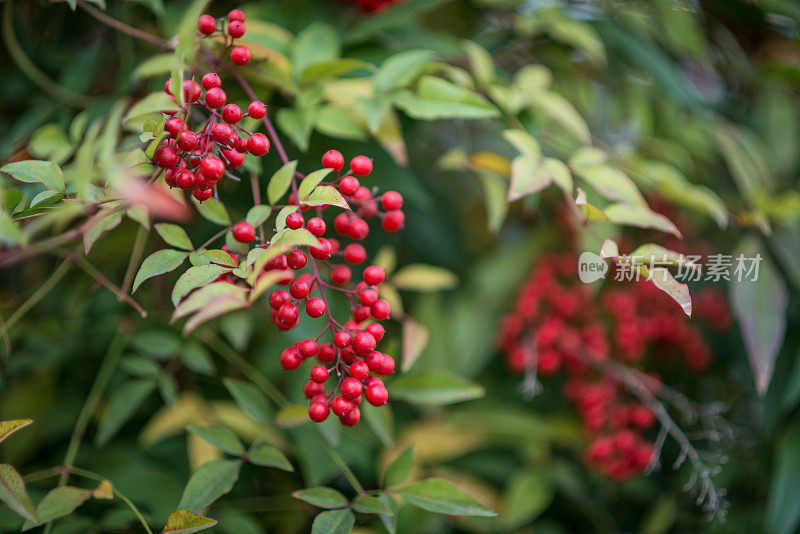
point(319, 373)
point(290, 359)
point(340, 274)
point(215, 98)
point(185, 179)
point(333, 159)
point(240, 55)
point(363, 343)
point(388, 366)
point(374, 361)
point(191, 91)
point(299, 289)
point(258, 144)
point(393, 220)
point(212, 167)
point(392, 200)
point(374, 275)
point(362, 194)
point(351, 388)
point(234, 158)
point(323, 251)
point(316, 226)
point(311, 389)
point(278, 298)
point(368, 297)
point(236, 14)
point(352, 418)
point(326, 353)
point(359, 370)
point(318, 411)
point(165, 157)
point(380, 310)
point(342, 339)
point(287, 314)
point(236, 29)
point(376, 330)
point(341, 406)
point(361, 165)
point(210, 80)
point(359, 229)
point(377, 395)
point(361, 314)
point(231, 114)
point(221, 132)
point(315, 307)
point(244, 232)
point(257, 109)
point(277, 263)
point(206, 24)
point(296, 260)
point(187, 141)
point(342, 223)
point(174, 125)
point(308, 348)
point(349, 185)
point(294, 221)
point(202, 194)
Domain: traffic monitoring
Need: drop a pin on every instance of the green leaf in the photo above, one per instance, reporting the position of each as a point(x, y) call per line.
point(495, 192)
point(300, 236)
point(480, 62)
point(321, 497)
point(122, 404)
point(248, 398)
point(661, 517)
point(14, 494)
point(196, 358)
point(9, 427)
point(51, 142)
point(297, 123)
point(292, 416)
point(258, 214)
point(400, 468)
point(400, 70)
point(379, 420)
point(280, 182)
point(524, 142)
point(334, 522)
point(311, 181)
point(58, 503)
point(612, 183)
point(316, 43)
point(156, 102)
point(442, 497)
point(210, 302)
point(174, 235)
point(368, 504)
point(421, 277)
point(331, 68)
point(341, 122)
point(98, 225)
point(435, 387)
point(782, 513)
point(640, 216)
point(560, 111)
point(439, 99)
point(221, 438)
point(195, 277)
point(213, 210)
point(326, 195)
point(760, 308)
point(186, 522)
point(528, 495)
point(160, 262)
point(268, 456)
point(34, 171)
point(664, 281)
point(209, 482)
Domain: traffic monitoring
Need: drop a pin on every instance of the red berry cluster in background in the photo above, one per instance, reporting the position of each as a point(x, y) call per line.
point(198, 158)
point(373, 6)
point(555, 325)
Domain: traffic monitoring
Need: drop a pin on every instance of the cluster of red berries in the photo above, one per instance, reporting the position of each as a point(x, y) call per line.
point(198, 158)
point(351, 355)
point(555, 324)
point(235, 29)
point(373, 6)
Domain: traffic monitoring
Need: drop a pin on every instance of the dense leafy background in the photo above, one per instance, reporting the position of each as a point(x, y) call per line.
point(709, 89)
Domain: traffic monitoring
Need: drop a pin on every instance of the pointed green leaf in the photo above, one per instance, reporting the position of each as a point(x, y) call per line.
point(421, 277)
point(321, 496)
point(268, 456)
point(300, 236)
point(195, 277)
point(334, 522)
point(311, 181)
point(258, 214)
point(368, 504)
point(280, 182)
point(326, 195)
point(213, 210)
point(442, 497)
point(174, 235)
point(186, 522)
point(122, 404)
point(640, 216)
point(58, 503)
point(248, 398)
point(435, 387)
point(221, 438)
point(209, 482)
point(14, 494)
point(160, 262)
point(400, 468)
point(11, 426)
point(31, 171)
point(400, 70)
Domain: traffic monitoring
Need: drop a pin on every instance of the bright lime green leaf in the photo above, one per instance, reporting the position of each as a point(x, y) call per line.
point(174, 235)
point(186, 522)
